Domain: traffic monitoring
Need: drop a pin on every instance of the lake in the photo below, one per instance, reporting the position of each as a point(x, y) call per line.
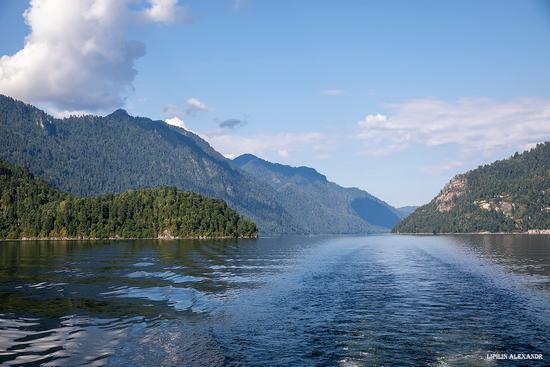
point(379, 300)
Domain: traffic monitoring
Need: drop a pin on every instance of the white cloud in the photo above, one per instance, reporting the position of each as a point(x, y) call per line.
point(176, 121)
point(165, 11)
point(60, 114)
point(471, 124)
point(373, 118)
point(331, 92)
point(530, 146)
point(283, 153)
point(77, 55)
point(192, 106)
point(195, 105)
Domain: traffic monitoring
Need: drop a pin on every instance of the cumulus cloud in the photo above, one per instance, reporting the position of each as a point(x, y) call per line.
point(232, 123)
point(77, 55)
point(176, 121)
point(471, 124)
point(331, 92)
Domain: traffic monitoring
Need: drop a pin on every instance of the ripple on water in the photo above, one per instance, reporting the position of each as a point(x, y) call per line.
point(31, 341)
point(45, 285)
point(165, 275)
point(366, 301)
point(181, 299)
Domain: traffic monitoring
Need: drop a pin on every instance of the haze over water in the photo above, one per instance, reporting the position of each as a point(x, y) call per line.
point(293, 301)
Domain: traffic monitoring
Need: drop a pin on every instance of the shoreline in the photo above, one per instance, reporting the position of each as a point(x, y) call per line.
point(168, 238)
point(25, 239)
point(530, 232)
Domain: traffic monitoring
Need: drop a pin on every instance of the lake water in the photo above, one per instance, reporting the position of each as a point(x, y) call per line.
point(380, 300)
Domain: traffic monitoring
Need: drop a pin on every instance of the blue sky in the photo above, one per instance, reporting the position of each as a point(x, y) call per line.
point(394, 97)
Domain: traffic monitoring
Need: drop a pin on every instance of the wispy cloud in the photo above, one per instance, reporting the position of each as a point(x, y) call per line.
point(372, 118)
point(281, 144)
point(232, 123)
point(194, 105)
point(172, 110)
point(283, 153)
point(471, 124)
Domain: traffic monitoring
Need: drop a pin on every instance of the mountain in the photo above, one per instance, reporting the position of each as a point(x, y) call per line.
point(510, 195)
point(30, 208)
point(93, 155)
point(323, 206)
point(405, 211)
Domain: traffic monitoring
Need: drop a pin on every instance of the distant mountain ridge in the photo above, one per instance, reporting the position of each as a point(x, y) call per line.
point(305, 172)
point(510, 195)
point(93, 155)
point(324, 205)
point(406, 210)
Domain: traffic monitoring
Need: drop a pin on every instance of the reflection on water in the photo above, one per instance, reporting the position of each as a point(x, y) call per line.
point(525, 255)
point(296, 301)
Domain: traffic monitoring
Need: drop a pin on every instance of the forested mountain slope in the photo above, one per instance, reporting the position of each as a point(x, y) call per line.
point(92, 155)
point(510, 195)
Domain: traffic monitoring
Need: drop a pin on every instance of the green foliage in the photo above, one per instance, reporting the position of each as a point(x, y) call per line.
point(29, 207)
point(522, 180)
point(93, 155)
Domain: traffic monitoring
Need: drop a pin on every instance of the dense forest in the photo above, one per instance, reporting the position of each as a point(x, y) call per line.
point(95, 155)
point(30, 208)
point(510, 195)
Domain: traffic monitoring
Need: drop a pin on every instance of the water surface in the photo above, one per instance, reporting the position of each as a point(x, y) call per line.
point(379, 300)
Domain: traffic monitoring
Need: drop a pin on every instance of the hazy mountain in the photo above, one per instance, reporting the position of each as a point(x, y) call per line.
point(405, 211)
point(510, 195)
point(322, 206)
point(92, 155)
